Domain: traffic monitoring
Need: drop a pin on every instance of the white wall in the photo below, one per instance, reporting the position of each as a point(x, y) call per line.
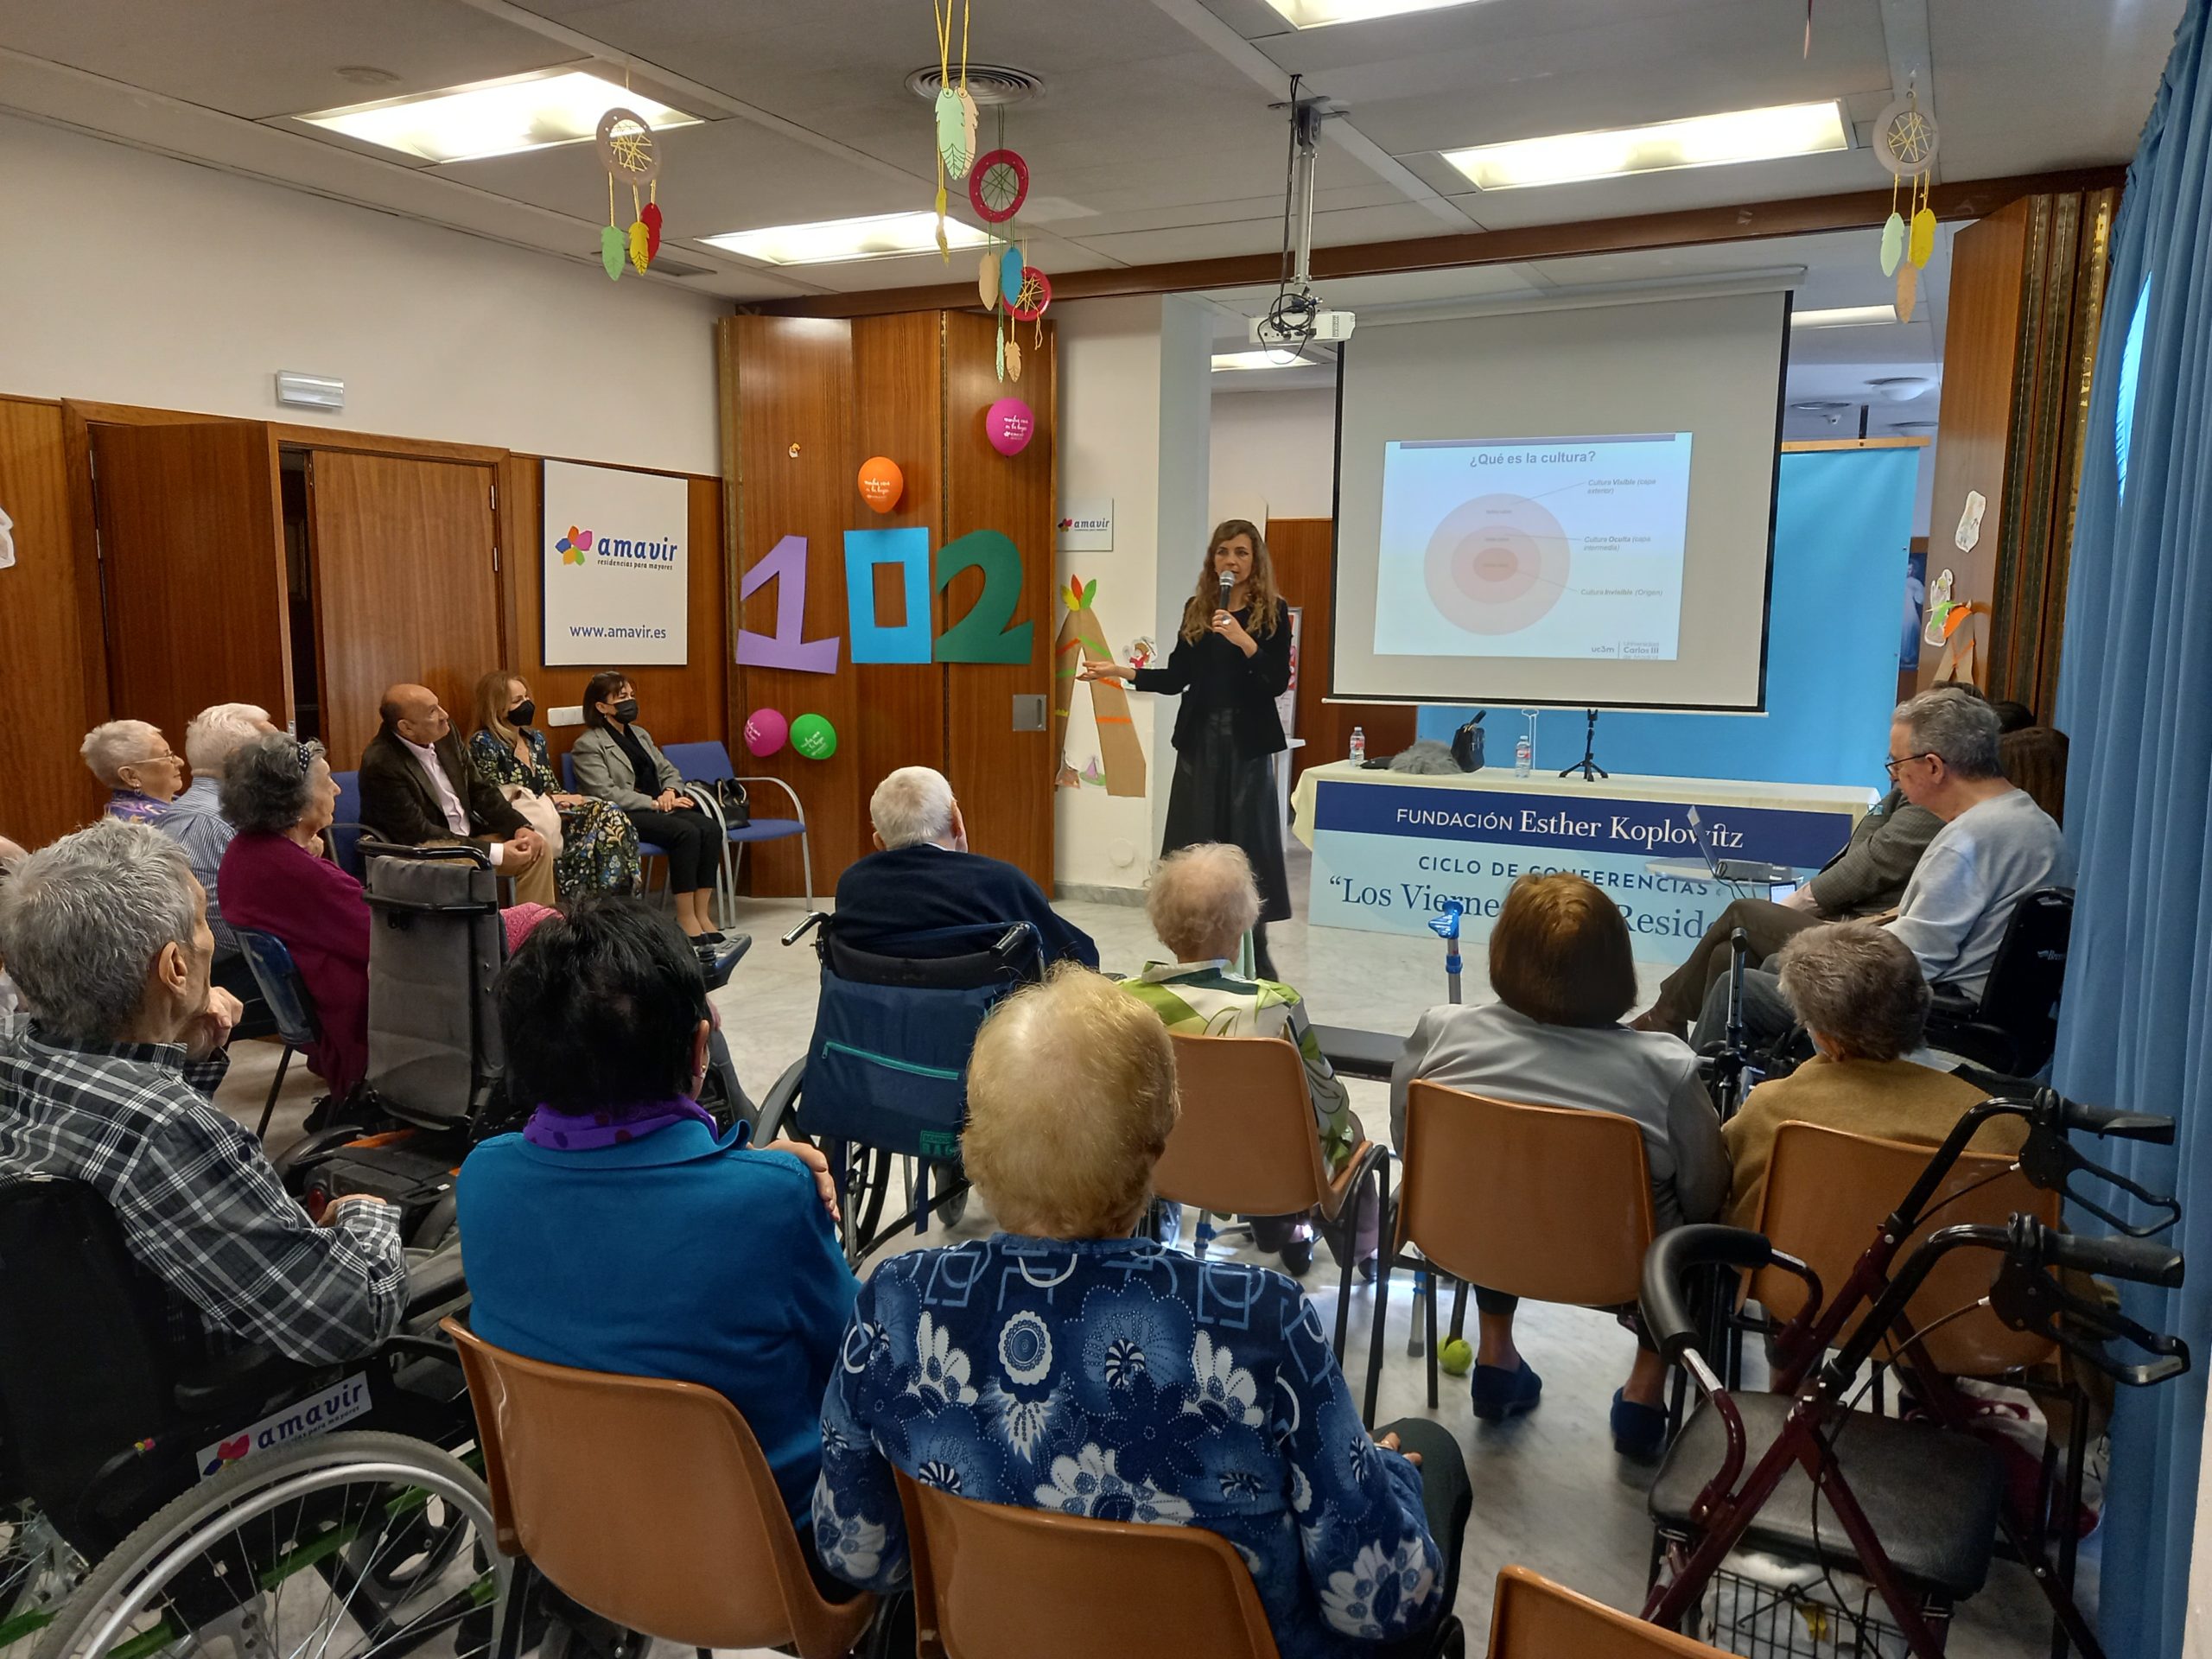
point(1274, 455)
point(1132, 429)
point(133, 278)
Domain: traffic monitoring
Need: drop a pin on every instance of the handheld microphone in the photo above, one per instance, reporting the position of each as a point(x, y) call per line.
point(1226, 586)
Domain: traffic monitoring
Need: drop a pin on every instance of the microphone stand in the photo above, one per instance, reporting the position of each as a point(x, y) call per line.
point(1587, 765)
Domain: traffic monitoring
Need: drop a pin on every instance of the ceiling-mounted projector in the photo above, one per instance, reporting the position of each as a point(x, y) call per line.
point(1288, 335)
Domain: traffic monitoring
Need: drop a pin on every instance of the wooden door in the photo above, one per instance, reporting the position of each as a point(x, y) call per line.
point(192, 557)
point(406, 586)
point(1304, 552)
point(1003, 777)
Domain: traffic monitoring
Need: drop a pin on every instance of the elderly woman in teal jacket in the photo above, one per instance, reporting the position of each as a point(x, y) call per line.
point(620, 1231)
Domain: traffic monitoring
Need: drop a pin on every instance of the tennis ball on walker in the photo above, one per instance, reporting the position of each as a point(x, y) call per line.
point(814, 737)
point(1457, 1357)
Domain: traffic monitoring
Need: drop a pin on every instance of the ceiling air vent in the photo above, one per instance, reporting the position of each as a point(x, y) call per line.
point(988, 84)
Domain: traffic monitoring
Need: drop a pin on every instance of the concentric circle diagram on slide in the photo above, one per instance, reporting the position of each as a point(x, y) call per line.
point(1496, 564)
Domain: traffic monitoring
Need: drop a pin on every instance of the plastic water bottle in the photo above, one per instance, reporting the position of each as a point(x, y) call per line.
point(1524, 752)
point(1358, 747)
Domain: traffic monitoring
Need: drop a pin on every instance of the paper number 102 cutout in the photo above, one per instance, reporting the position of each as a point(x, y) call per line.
point(785, 566)
point(987, 634)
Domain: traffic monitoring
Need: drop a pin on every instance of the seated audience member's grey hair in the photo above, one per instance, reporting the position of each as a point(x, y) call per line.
point(914, 804)
point(1961, 730)
point(1202, 901)
point(214, 732)
point(265, 783)
point(109, 749)
point(82, 920)
point(1859, 986)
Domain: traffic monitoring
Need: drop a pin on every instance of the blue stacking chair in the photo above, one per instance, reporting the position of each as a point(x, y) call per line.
point(645, 848)
point(708, 763)
point(347, 828)
point(289, 1001)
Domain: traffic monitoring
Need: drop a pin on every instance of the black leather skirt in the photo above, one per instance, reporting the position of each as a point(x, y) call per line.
point(1220, 795)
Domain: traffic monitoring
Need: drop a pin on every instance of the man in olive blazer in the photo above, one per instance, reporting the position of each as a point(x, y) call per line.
point(418, 787)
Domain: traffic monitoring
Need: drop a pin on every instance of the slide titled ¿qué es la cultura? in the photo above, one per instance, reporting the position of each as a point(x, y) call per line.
point(1534, 547)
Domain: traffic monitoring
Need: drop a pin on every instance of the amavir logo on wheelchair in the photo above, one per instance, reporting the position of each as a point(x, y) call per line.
point(341, 1403)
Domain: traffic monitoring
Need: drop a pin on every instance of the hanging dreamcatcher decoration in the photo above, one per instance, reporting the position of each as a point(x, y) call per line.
point(1905, 141)
point(1011, 287)
point(956, 112)
point(628, 153)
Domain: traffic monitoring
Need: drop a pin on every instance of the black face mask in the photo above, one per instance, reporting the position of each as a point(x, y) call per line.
point(522, 712)
point(626, 710)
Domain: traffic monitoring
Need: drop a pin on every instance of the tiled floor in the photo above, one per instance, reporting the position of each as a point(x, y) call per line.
point(1549, 1493)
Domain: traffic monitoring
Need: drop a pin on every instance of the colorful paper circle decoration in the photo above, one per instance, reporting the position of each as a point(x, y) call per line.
point(996, 185)
point(1009, 426)
point(881, 483)
point(765, 731)
point(814, 737)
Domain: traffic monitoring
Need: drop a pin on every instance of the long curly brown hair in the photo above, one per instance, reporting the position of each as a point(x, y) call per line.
point(1266, 604)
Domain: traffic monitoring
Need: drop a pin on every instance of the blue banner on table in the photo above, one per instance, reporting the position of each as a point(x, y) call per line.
point(1386, 859)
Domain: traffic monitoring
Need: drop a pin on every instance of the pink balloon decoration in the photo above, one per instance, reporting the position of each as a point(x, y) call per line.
point(765, 731)
point(1009, 426)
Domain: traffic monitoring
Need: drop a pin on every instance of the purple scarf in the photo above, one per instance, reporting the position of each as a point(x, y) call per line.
point(616, 1127)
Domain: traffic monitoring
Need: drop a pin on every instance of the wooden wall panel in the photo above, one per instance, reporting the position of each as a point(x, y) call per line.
point(1304, 552)
point(1980, 357)
point(898, 412)
point(193, 563)
point(45, 791)
point(405, 586)
point(678, 705)
point(786, 387)
point(1004, 777)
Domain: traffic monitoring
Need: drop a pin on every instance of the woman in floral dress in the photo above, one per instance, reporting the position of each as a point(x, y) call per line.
point(1063, 1365)
point(598, 850)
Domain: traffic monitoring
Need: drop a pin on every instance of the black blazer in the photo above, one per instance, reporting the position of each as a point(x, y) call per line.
point(398, 804)
point(1213, 673)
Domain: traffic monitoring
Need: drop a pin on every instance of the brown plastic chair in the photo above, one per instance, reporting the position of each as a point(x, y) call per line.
point(1826, 1194)
point(1552, 1203)
point(648, 1503)
point(1245, 1144)
point(995, 1582)
point(1533, 1618)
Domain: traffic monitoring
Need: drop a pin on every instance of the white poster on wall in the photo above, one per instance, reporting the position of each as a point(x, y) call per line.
point(617, 566)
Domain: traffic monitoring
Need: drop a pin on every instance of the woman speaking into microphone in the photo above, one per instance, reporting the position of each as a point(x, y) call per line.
point(1232, 661)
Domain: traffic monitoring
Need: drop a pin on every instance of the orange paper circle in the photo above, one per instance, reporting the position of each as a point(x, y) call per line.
point(881, 483)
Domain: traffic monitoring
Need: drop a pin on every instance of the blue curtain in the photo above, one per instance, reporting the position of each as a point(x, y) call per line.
point(2135, 696)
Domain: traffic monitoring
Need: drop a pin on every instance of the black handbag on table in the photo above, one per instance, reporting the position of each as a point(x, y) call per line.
point(1467, 744)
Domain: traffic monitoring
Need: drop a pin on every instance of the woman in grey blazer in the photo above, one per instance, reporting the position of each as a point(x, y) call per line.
point(617, 760)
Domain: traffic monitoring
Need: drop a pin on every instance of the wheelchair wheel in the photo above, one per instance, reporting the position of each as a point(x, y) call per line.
point(38, 1571)
point(354, 1544)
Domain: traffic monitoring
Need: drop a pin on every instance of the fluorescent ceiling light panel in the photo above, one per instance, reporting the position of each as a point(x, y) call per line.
point(496, 117)
point(877, 237)
point(1846, 316)
point(1699, 141)
point(1317, 14)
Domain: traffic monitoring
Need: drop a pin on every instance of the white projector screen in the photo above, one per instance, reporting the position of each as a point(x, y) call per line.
point(1567, 507)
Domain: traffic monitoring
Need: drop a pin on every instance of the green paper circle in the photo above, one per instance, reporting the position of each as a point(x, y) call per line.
point(814, 737)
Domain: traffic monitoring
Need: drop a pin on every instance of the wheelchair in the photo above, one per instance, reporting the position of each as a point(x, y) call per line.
point(434, 1084)
point(159, 1496)
point(1914, 1506)
point(884, 1073)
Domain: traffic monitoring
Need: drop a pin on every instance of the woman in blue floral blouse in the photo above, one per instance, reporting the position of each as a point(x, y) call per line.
point(1063, 1364)
point(599, 848)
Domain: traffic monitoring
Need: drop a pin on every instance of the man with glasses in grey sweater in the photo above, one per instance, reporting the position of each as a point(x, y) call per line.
point(1996, 845)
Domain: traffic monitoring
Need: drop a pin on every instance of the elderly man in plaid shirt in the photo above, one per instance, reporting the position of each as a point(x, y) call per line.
point(107, 1080)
